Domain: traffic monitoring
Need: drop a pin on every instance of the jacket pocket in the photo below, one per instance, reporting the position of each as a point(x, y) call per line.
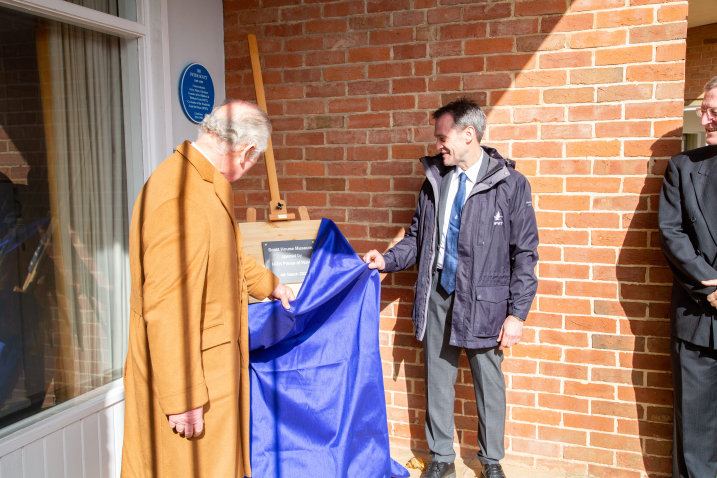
point(490, 311)
point(215, 335)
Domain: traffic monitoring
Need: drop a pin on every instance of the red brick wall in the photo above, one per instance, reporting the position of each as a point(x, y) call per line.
point(701, 64)
point(22, 136)
point(587, 96)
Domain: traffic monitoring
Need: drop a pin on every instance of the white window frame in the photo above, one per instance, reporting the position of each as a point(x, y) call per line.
point(146, 87)
point(153, 100)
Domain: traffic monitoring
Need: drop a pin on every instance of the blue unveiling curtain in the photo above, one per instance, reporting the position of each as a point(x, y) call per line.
point(317, 399)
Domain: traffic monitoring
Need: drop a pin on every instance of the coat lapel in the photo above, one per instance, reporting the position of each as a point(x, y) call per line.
point(705, 183)
point(209, 173)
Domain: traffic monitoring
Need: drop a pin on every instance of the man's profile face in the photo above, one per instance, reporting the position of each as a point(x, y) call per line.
point(237, 163)
point(709, 121)
point(451, 144)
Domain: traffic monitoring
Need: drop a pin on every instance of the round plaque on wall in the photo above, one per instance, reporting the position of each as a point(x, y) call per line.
point(196, 92)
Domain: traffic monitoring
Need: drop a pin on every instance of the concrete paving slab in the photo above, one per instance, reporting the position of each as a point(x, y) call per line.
point(472, 468)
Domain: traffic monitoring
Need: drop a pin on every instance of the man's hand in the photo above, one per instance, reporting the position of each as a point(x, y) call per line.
point(284, 294)
point(712, 298)
point(189, 423)
point(374, 259)
point(511, 332)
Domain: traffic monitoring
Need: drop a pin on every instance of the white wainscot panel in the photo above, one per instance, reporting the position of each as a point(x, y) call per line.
point(84, 441)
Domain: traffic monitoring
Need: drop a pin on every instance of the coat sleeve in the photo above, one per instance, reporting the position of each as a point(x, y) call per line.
point(175, 245)
point(404, 254)
point(523, 251)
point(260, 281)
point(688, 267)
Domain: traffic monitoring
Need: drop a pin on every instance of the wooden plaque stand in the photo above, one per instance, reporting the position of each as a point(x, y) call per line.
point(281, 226)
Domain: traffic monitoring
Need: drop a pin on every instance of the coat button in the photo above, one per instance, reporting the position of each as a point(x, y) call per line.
point(480, 296)
point(698, 252)
point(453, 342)
point(693, 219)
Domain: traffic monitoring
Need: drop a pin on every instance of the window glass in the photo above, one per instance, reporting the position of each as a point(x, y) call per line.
point(119, 8)
point(64, 269)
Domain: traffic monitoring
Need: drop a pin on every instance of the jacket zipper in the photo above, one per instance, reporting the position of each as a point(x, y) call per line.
point(424, 319)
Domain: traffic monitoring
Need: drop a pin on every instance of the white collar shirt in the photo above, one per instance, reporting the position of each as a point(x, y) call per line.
point(194, 145)
point(471, 179)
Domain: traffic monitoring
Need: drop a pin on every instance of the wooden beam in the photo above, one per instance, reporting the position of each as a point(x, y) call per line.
point(278, 210)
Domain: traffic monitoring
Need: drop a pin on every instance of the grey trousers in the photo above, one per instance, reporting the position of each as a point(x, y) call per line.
point(694, 372)
point(441, 367)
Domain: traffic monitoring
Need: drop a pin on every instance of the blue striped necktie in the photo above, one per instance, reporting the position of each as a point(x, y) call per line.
point(450, 256)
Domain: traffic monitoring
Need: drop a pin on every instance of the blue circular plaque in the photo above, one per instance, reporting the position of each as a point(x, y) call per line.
point(196, 92)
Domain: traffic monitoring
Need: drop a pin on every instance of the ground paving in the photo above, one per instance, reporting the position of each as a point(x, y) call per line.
point(472, 468)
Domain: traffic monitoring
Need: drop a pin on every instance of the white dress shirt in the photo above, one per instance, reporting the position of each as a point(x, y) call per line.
point(471, 179)
point(194, 145)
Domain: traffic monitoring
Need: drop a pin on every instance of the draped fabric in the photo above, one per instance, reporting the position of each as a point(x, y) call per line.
point(88, 194)
point(317, 398)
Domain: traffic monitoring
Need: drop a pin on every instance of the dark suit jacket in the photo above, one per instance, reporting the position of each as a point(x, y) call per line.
point(688, 239)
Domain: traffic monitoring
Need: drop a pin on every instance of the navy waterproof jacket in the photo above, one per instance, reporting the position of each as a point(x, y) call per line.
point(497, 251)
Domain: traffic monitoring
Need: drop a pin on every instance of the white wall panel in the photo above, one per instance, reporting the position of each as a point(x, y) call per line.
point(91, 446)
point(11, 465)
point(55, 455)
point(196, 35)
point(119, 435)
point(73, 451)
point(33, 462)
point(106, 442)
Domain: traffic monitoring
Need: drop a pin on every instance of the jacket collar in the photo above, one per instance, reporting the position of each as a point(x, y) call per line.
point(211, 174)
point(205, 168)
point(435, 170)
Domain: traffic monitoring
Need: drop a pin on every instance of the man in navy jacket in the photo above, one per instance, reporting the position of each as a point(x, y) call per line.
point(688, 239)
point(475, 238)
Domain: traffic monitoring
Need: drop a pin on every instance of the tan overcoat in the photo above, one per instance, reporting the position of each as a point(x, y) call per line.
point(188, 334)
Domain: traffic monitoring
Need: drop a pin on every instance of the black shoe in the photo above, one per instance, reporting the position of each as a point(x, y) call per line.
point(492, 471)
point(439, 469)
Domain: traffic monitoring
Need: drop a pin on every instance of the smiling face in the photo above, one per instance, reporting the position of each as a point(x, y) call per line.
point(710, 121)
point(456, 148)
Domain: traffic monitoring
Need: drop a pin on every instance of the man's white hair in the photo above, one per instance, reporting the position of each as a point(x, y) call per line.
point(711, 84)
point(238, 124)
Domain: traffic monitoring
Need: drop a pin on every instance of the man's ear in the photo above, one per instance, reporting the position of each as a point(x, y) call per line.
point(470, 134)
point(247, 153)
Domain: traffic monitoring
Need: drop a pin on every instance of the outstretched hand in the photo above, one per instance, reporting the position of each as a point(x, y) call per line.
point(189, 423)
point(374, 259)
point(712, 298)
point(284, 294)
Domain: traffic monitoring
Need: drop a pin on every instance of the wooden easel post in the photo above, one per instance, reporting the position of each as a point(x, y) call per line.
point(277, 208)
point(280, 226)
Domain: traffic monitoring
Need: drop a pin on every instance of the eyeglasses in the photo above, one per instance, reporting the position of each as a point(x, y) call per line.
point(710, 112)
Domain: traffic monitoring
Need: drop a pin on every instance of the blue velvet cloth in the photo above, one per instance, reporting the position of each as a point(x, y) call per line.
point(318, 407)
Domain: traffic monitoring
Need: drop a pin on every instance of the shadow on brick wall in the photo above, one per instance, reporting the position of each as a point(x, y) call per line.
point(350, 87)
point(643, 377)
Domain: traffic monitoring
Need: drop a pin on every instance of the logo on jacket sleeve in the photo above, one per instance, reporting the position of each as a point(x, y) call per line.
point(497, 219)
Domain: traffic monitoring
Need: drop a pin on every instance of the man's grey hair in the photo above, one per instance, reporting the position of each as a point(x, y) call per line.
point(238, 126)
point(711, 84)
point(465, 113)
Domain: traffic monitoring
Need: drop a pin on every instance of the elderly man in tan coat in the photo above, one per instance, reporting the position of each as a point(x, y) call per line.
point(186, 376)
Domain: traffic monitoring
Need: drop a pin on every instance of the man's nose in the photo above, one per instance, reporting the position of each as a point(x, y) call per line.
point(706, 119)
